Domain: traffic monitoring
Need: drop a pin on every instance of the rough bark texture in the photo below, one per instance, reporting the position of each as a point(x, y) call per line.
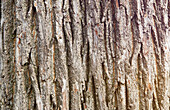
point(85, 55)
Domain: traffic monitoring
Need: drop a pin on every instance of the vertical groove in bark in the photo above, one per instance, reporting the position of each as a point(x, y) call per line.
point(94, 93)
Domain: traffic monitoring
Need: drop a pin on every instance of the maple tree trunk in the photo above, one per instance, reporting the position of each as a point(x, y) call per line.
point(85, 55)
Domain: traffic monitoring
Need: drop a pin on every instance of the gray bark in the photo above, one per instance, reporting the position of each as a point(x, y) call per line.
point(85, 55)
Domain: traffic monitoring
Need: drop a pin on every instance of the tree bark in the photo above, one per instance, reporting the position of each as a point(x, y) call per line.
point(85, 55)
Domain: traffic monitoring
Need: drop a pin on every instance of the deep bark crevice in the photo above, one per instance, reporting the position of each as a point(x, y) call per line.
point(28, 7)
point(94, 93)
point(126, 92)
point(45, 7)
point(72, 19)
point(38, 78)
point(87, 65)
point(105, 80)
point(134, 26)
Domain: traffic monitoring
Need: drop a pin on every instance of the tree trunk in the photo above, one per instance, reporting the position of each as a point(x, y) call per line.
point(85, 55)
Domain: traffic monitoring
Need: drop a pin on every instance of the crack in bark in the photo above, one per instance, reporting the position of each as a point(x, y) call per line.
point(72, 19)
point(28, 7)
point(105, 80)
point(94, 93)
point(126, 92)
point(134, 25)
point(45, 6)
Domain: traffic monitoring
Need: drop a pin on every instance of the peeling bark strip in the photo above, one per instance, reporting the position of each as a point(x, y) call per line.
point(85, 55)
